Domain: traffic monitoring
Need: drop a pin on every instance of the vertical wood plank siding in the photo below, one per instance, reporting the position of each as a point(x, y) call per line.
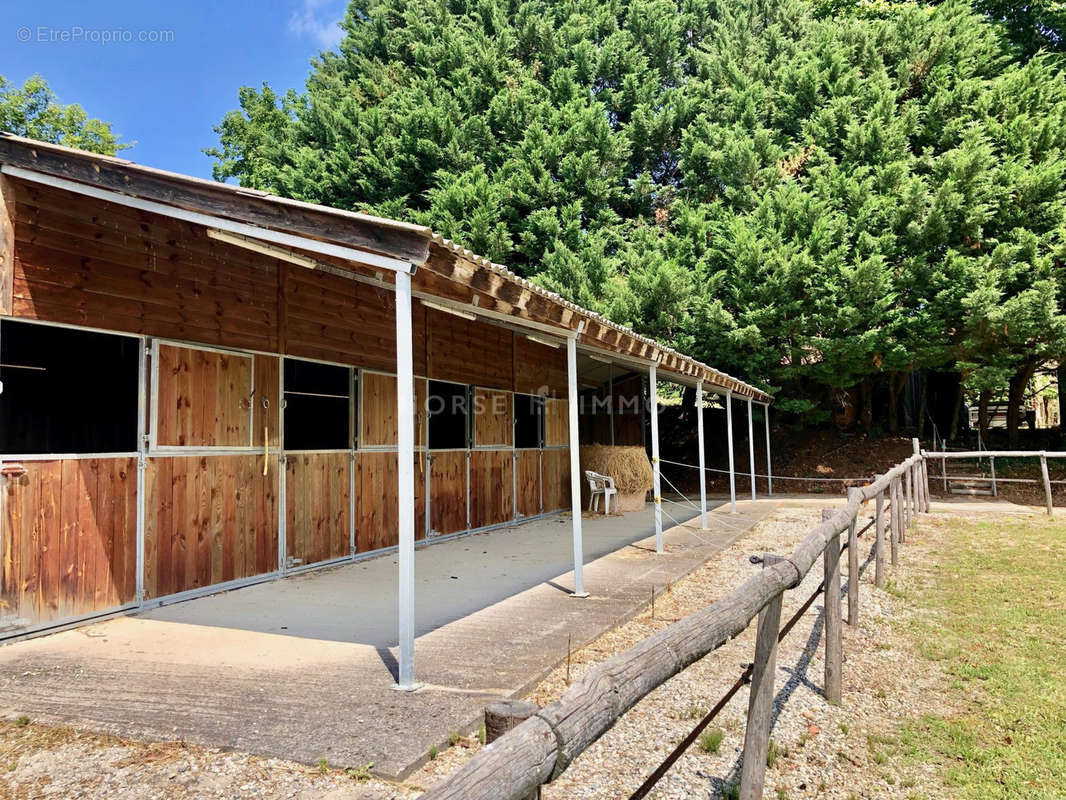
point(317, 507)
point(69, 538)
point(527, 464)
point(69, 527)
point(491, 487)
point(447, 480)
point(208, 519)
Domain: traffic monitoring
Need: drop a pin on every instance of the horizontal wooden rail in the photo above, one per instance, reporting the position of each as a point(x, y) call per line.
point(538, 750)
point(1045, 478)
point(940, 455)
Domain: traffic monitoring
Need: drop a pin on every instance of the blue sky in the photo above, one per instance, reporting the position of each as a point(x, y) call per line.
point(164, 95)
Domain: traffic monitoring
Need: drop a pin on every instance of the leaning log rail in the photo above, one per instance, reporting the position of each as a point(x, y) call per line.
point(541, 748)
point(944, 456)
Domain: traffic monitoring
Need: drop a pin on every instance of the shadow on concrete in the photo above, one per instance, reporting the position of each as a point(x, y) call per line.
point(356, 603)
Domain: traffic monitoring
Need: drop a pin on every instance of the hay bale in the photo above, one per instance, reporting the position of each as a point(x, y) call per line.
point(629, 466)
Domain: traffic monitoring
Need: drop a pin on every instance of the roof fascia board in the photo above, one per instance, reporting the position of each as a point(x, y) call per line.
point(230, 226)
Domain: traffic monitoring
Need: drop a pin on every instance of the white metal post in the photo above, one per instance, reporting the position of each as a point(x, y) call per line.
point(575, 466)
point(405, 440)
point(751, 449)
point(653, 403)
point(142, 462)
point(729, 442)
point(703, 471)
point(769, 468)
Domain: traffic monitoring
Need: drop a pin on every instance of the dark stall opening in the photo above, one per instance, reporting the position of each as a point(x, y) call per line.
point(66, 390)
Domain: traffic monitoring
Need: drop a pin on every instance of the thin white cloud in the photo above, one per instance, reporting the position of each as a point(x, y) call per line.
point(320, 20)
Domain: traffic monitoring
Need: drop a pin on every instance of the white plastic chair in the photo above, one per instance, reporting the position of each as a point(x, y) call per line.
point(601, 486)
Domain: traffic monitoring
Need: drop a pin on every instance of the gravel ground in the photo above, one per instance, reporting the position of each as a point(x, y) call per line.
point(823, 750)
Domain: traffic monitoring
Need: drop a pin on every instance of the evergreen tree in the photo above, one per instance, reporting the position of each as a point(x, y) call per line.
point(820, 203)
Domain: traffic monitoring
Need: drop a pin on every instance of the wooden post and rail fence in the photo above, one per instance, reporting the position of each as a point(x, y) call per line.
point(540, 748)
point(943, 456)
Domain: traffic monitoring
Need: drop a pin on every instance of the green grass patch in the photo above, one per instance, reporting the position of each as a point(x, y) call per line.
point(998, 629)
point(711, 740)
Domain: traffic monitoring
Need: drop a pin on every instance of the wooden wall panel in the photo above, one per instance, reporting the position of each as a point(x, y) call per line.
point(7, 243)
point(493, 418)
point(203, 398)
point(376, 509)
point(491, 487)
point(266, 424)
point(556, 423)
point(527, 465)
point(447, 481)
point(555, 479)
point(317, 510)
point(68, 536)
point(333, 318)
point(539, 369)
point(378, 412)
point(208, 519)
point(84, 262)
point(469, 351)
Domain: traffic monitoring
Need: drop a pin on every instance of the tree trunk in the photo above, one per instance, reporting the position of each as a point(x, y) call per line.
point(896, 382)
point(1060, 379)
point(1018, 383)
point(982, 413)
point(867, 416)
point(954, 429)
point(923, 377)
point(688, 407)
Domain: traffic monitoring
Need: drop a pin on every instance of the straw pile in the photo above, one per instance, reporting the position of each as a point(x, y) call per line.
point(629, 466)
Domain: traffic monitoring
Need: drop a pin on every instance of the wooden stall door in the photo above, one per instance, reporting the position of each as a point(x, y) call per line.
point(204, 398)
point(556, 423)
point(379, 427)
point(555, 479)
point(69, 540)
point(447, 491)
point(317, 507)
point(527, 464)
point(208, 519)
point(491, 487)
point(376, 509)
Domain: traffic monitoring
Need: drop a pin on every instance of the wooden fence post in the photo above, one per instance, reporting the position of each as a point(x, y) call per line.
point(894, 520)
point(913, 473)
point(879, 542)
point(760, 701)
point(503, 715)
point(908, 509)
point(833, 629)
point(1047, 482)
point(853, 563)
point(916, 448)
point(925, 483)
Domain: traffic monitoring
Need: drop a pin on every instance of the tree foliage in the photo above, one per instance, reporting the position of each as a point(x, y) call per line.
point(815, 201)
point(33, 110)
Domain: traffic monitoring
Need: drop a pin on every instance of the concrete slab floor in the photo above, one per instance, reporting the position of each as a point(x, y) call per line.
point(303, 668)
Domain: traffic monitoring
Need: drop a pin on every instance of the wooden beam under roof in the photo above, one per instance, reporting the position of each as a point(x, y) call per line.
point(463, 279)
point(396, 239)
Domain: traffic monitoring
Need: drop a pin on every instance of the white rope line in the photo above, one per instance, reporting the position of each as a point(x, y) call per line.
point(685, 525)
point(686, 498)
point(762, 475)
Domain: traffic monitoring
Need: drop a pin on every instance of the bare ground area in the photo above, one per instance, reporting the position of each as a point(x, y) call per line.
point(819, 750)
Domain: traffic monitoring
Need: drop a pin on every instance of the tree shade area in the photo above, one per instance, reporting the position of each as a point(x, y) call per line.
point(821, 202)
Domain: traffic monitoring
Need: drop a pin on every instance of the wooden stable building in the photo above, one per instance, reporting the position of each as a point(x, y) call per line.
point(206, 386)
